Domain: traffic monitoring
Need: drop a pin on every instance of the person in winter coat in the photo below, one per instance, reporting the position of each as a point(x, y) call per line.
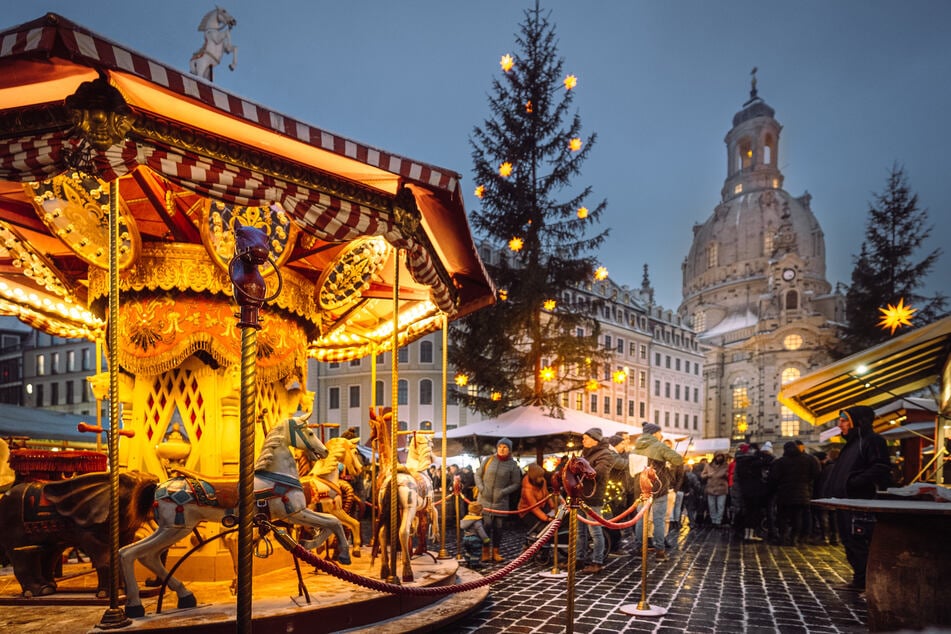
point(497, 478)
point(748, 476)
point(474, 537)
point(863, 467)
point(791, 481)
point(714, 475)
point(660, 457)
point(602, 459)
point(535, 501)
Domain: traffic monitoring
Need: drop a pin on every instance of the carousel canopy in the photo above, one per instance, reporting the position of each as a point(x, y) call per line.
point(78, 111)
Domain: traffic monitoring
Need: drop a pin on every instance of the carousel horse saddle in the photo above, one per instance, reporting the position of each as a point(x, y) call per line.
point(205, 490)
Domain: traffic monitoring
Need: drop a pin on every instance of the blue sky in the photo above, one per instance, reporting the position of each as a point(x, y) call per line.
point(857, 85)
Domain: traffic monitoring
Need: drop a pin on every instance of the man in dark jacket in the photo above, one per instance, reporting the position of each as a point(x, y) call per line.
point(791, 481)
point(661, 458)
point(596, 451)
point(862, 468)
point(748, 476)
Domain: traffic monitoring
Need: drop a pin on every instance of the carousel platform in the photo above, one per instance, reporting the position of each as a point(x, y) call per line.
point(335, 605)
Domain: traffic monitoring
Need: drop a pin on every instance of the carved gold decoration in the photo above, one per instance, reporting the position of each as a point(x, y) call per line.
point(217, 230)
point(406, 214)
point(34, 266)
point(75, 207)
point(100, 113)
point(343, 282)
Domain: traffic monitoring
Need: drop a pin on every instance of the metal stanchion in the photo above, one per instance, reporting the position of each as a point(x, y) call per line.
point(572, 553)
point(555, 572)
point(642, 607)
point(457, 493)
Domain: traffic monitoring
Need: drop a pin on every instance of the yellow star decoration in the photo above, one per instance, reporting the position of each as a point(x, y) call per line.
point(516, 244)
point(895, 317)
point(601, 273)
point(462, 380)
point(575, 144)
point(496, 396)
point(528, 106)
point(507, 62)
point(592, 385)
point(550, 304)
point(582, 212)
point(570, 82)
point(480, 191)
point(503, 294)
point(505, 169)
point(548, 373)
point(619, 376)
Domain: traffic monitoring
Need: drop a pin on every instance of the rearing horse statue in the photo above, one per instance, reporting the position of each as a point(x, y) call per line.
point(216, 25)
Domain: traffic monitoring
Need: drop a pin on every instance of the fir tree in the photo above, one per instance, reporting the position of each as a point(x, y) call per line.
point(885, 270)
point(503, 349)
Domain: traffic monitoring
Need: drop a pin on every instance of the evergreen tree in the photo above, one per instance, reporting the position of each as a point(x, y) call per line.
point(540, 234)
point(885, 270)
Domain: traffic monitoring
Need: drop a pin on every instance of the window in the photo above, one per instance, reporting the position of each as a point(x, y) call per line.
point(379, 358)
point(354, 396)
point(677, 391)
point(619, 407)
point(632, 349)
point(740, 426)
point(643, 351)
point(792, 342)
point(790, 374)
point(379, 393)
point(87, 359)
point(642, 409)
point(426, 392)
point(712, 255)
point(677, 365)
point(402, 391)
point(579, 401)
point(696, 395)
point(594, 403)
point(642, 379)
point(677, 419)
point(39, 395)
point(403, 355)
point(695, 422)
point(70, 361)
point(656, 388)
point(767, 243)
point(41, 365)
point(607, 404)
point(630, 409)
point(741, 399)
point(657, 359)
point(55, 367)
point(355, 363)
point(452, 396)
point(666, 389)
point(788, 423)
point(333, 398)
point(607, 341)
point(70, 393)
point(426, 352)
point(666, 419)
point(792, 300)
point(619, 348)
point(426, 425)
point(667, 361)
point(657, 417)
point(54, 393)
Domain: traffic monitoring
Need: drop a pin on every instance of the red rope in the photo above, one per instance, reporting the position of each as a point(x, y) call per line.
point(612, 525)
point(429, 591)
point(501, 512)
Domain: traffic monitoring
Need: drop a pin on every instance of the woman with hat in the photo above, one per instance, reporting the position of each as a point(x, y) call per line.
point(497, 478)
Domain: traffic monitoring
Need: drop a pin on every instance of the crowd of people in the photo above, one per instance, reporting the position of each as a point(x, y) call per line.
point(760, 496)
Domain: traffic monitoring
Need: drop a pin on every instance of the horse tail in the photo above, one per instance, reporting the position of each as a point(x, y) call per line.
point(348, 496)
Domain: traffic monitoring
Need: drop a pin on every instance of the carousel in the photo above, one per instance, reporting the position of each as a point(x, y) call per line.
point(212, 247)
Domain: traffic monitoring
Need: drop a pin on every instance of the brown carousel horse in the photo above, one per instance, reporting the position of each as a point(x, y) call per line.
point(325, 489)
point(575, 480)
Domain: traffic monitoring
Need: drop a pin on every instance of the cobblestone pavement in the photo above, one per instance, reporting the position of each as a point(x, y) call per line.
point(712, 582)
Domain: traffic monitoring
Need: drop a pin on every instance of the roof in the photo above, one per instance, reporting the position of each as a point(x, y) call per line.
point(177, 144)
point(898, 367)
point(42, 424)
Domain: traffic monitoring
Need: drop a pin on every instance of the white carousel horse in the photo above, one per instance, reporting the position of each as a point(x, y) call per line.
point(182, 502)
point(216, 25)
point(419, 457)
point(324, 486)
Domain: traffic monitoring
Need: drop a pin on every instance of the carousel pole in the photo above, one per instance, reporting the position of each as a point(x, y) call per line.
point(443, 553)
point(114, 617)
point(373, 405)
point(394, 421)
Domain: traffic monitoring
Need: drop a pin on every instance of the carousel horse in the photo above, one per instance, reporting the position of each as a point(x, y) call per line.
point(407, 493)
point(574, 479)
point(186, 500)
point(216, 25)
point(419, 457)
point(323, 485)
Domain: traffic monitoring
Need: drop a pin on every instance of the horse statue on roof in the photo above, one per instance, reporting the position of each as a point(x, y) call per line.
point(184, 501)
point(325, 488)
point(216, 25)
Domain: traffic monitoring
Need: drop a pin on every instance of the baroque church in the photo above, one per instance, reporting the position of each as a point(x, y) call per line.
point(755, 289)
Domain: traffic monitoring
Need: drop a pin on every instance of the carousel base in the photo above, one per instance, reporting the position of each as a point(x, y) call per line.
point(278, 606)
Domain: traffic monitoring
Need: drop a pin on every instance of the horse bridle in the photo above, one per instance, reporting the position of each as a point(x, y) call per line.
point(295, 428)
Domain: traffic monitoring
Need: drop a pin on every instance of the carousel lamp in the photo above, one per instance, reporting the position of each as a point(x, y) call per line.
point(570, 82)
point(496, 396)
point(528, 106)
point(619, 376)
point(592, 385)
point(480, 191)
point(895, 317)
point(516, 244)
point(575, 144)
point(582, 212)
point(505, 169)
point(548, 373)
point(550, 304)
point(507, 62)
point(601, 273)
point(462, 380)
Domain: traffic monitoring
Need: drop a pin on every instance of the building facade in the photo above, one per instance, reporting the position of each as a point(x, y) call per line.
point(755, 288)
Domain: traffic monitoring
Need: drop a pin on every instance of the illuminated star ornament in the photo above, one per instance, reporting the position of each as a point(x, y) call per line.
point(505, 169)
point(575, 144)
point(600, 273)
point(550, 304)
point(570, 82)
point(480, 191)
point(548, 373)
point(895, 317)
point(516, 244)
point(582, 212)
point(507, 62)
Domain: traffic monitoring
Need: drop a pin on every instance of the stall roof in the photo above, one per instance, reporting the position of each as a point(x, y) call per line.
point(180, 144)
point(42, 424)
point(888, 371)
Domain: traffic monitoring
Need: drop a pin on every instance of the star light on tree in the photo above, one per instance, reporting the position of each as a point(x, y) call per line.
point(528, 106)
point(548, 373)
point(619, 376)
point(462, 380)
point(895, 317)
point(496, 396)
point(550, 304)
point(507, 62)
point(575, 144)
point(592, 385)
point(516, 244)
point(601, 273)
point(480, 191)
point(582, 212)
point(505, 169)
point(570, 82)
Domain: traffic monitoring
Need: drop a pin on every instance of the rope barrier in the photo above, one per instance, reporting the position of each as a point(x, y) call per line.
point(501, 512)
point(598, 519)
point(331, 568)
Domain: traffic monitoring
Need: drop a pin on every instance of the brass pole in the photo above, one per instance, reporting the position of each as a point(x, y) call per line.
point(373, 405)
point(394, 421)
point(648, 513)
point(554, 543)
point(249, 338)
point(572, 553)
point(443, 554)
point(113, 617)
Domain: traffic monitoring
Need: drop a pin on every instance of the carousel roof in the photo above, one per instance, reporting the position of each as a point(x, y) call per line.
point(78, 111)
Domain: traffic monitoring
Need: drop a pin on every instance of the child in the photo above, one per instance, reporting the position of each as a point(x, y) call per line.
point(474, 536)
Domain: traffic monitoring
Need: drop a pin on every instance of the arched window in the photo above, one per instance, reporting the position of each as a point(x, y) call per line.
point(379, 394)
point(426, 392)
point(790, 374)
point(402, 392)
point(792, 300)
point(746, 153)
point(769, 149)
point(425, 351)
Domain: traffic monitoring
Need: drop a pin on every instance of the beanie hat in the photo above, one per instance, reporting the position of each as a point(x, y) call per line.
point(768, 446)
point(595, 433)
point(791, 447)
point(615, 440)
point(650, 428)
point(475, 508)
point(506, 442)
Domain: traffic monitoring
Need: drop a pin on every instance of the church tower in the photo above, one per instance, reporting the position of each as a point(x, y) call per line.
point(754, 287)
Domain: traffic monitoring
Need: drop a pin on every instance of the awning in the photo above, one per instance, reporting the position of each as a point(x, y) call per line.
point(912, 430)
point(878, 375)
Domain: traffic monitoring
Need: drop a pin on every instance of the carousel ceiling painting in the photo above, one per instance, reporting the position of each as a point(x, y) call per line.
point(344, 220)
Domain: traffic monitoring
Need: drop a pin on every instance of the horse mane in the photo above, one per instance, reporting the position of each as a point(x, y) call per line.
point(336, 451)
point(274, 439)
